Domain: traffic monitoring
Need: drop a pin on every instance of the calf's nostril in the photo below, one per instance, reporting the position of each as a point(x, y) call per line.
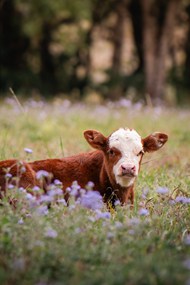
point(123, 167)
point(133, 168)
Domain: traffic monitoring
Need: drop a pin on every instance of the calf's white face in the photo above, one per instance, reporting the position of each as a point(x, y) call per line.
point(129, 143)
point(123, 151)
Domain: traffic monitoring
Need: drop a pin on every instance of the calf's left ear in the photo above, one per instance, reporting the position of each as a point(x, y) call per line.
point(154, 141)
point(95, 139)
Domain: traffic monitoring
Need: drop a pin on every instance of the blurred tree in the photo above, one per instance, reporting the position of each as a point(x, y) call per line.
point(14, 45)
point(187, 49)
point(158, 26)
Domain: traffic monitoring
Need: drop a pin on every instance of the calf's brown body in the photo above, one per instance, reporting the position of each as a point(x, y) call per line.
point(96, 166)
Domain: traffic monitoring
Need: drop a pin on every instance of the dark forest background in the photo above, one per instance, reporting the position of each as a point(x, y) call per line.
point(136, 48)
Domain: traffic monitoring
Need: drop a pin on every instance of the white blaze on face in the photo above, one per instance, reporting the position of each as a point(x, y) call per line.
point(129, 143)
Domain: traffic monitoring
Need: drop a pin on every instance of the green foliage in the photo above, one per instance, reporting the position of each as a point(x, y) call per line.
point(70, 245)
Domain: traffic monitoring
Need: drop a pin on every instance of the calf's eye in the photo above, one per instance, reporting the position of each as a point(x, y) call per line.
point(111, 152)
point(140, 153)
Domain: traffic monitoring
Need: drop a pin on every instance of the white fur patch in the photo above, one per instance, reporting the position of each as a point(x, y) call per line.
point(129, 143)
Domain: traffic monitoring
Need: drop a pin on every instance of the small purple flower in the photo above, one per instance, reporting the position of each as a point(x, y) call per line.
point(134, 222)
point(162, 190)
point(8, 175)
point(145, 193)
point(42, 210)
point(21, 190)
point(75, 189)
point(72, 207)
point(41, 174)
point(143, 212)
point(103, 215)
point(117, 203)
point(36, 189)
point(187, 240)
point(62, 201)
point(28, 150)
point(110, 235)
point(51, 233)
point(19, 264)
point(30, 197)
point(46, 199)
point(58, 191)
point(118, 225)
point(55, 192)
point(92, 200)
point(182, 199)
point(21, 222)
point(186, 263)
point(23, 169)
point(11, 186)
point(78, 230)
point(57, 182)
point(131, 232)
point(90, 185)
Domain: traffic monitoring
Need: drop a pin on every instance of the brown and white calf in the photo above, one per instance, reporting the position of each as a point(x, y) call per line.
point(113, 167)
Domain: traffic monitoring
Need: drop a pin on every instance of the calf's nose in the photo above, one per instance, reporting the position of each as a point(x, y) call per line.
point(128, 169)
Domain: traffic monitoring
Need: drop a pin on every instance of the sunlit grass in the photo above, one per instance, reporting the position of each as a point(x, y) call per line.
point(74, 245)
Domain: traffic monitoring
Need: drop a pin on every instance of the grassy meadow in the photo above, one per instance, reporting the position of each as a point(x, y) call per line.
point(148, 245)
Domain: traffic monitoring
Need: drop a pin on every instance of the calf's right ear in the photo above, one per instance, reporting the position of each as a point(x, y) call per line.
point(154, 141)
point(95, 139)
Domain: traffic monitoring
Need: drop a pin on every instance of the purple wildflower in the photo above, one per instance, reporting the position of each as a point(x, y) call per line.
point(28, 150)
point(23, 169)
point(51, 233)
point(92, 200)
point(62, 201)
point(118, 225)
point(45, 199)
point(55, 192)
point(36, 189)
point(11, 186)
point(30, 197)
point(41, 174)
point(57, 182)
point(162, 190)
point(143, 212)
point(110, 235)
point(117, 203)
point(75, 189)
point(182, 199)
point(133, 222)
point(145, 193)
point(42, 210)
point(90, 185)
point(8, 175)
point(21, 190)
point(19, 264)
point(103, 215)
point(21, 222)
point(186, 263)
point(187, 240)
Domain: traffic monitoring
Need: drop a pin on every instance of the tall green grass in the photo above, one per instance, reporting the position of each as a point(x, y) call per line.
point(74, 245)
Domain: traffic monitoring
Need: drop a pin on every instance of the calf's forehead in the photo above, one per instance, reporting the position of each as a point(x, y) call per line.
point(126, 140)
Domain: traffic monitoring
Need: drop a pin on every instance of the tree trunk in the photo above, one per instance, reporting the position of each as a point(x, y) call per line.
point(187, 51)
point(117, 41)
point(47, 71)
point(135, 10)
point(157, 39)
point(164, 45)
point(149, 39)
